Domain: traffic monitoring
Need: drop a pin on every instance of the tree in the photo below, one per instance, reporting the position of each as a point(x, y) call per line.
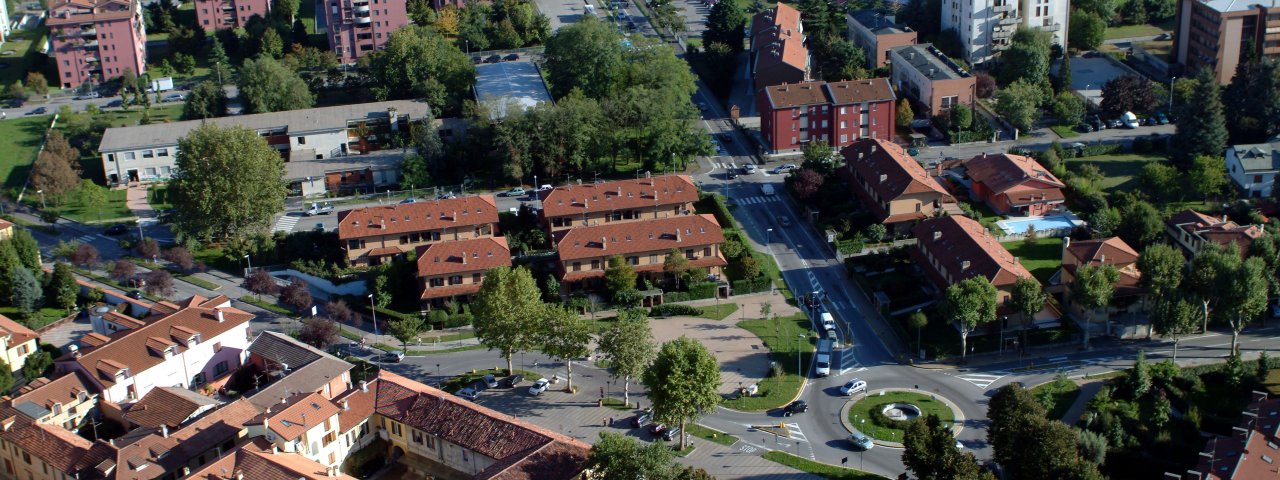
point(1161, 267)
point(92, 196)
point(1246, 296)
point(961, 117)
point(36, 83)
point(339, 311)
point(1140, 224)
point(85, 255)
point(228, 186)
point(405, 330)
point(1027, 58)
point(6, 377)
point(1209, 276)
point(148, 249)
point(616, 456)
point(1160, 180)
point(506, 310)
point(619, 275)
point(206, 100)
point(1069, 109)
point(820, 157)
point(261, 283)
point(17, 92)
point(270, 45)
point(1087, 31)
point(806, 184)
point(1207, 175)
point(267, 86)
point(726, 24)
point(55, 169)
point(413, 170)
point(1104, 9)
point(1201, 128)
point(286, 9)
point(319, 332)
point(1019, 104)
point(586, 55)
point(36, 364)
point(1139, 378)
point(420, 62)
point(296, 295)
point(984, 85)
point(25, 291)
point(1092, 289)
point(969, 303)
point(918, 320)
point(905, 114)
point(683, 381)
point(1128, 93)
point(64, 286)
point(180, 257)
point(1264, 366)
point(159, 283)
point(1093, 446)
point(220, 63)
point(930, 452)
point(565, 336)
point(627, 344)
point(123, 271)
point(677, 265)
point(26, 249)
point(1065, 74)
point(1028, 298)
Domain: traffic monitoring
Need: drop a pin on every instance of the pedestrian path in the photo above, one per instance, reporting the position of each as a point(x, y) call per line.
point(730, 165)
point(285, 224)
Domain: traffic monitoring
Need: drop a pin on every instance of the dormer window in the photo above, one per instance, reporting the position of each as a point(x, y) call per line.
point(57, 409)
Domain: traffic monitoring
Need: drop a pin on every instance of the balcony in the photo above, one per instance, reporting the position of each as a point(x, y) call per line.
point(1002, 32)
point(1010, 20)
point(362, 20)
point(91, 44)
point(361, 8)
point(999, 47)
point(1006, 8)
point(88, 32)
point(1050, 28)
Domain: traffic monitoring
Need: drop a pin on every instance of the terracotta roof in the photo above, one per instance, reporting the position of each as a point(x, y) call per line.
point(963, 249)
point(182, 445)
point(299, 413)
point(639, 237)
point(358, 406)
point(94, 339)
point(4, 224)
point(462, 256)
point(782, 15)
point(888, 170)
point(1018, 176)
point(790, 95)
point(255, 460)
point(1252, 449)
point(65, 390)
point(309, 368)
point(550, 461)
point(417, 217)
point(131, 348)
point(1220, 231)
point(860, 91)
point(63, 450)
point(20, 333)
point(619, 195)
point(169, 406)
point(1104, 251)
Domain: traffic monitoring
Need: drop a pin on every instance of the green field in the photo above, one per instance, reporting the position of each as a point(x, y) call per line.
point(1120, 170)
point(21, 51)
point(1042, 259)
point(1144, 30)
point(821, 469)
point(1063, 392)
point(861, 418)
point(37, 319)
point(781, 337)
point(18, 151)
point(718, 312)
point(115, 209)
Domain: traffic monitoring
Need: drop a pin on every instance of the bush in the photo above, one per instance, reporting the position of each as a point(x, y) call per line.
point(743, 287)
point(627, 298)
point(719, 209)
point(1100, 149)
point(670, 309)
point(879, 419)
point(460, 319)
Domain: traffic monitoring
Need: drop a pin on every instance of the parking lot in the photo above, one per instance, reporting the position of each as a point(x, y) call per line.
point(562, 12)
point(1088, 74)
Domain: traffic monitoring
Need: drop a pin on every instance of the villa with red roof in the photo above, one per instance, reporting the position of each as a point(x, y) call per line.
point(778, 53)
point(1014, 185)
point(455, 270)
point(373, 235)
point(1191, 230)
point(892, 185)
point(954, 248)
point(16, 342)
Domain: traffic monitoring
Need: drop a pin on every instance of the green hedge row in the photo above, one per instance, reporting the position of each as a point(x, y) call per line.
point(669, 309)
point(743, 287)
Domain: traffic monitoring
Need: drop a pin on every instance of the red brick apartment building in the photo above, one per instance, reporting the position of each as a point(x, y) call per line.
point(94, 41)
point(1215, 34)
point(214, 15)
point(359, 27)
point(839, 113)
point(778, 53)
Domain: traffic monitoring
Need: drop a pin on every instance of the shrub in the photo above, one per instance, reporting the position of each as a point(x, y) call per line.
point(670, 309)
point(878, 418)
point(743, 287)
point(460, 319)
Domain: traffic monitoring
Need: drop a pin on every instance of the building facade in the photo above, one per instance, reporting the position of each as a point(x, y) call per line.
point(876, 33)
point(93, 41)
point(1215, 34)
point(932, 80)
point(372, 235)
point(1253, 168)
point(1192, 230)
point(778, 52)
point(892, 185)
point(839, 113)
point(454, 271)
point(621, 201)
point(214, 15)
point(16, 342)
point(585, 252)
point(954, 248)
point(986, 28)
point(1014, 185)
point(359, 27)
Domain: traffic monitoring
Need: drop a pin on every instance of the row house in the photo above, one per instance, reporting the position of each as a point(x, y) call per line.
point(189, 345)
point(1191, 230)
point(65, 401)
point(212, 15)
point(585, 252)
point(359, 27)
point(16, 342)
point(1014, 185)
point(92, 41)
point(778, 52)
point(454, 271)
point(838, 113)
point(372, 235)
point(876, 33)
point(954, 248)
point(892, 185)
point(930, 79)
point(620, 201)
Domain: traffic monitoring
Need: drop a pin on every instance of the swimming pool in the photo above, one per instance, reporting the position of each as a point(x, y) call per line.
point(1041, 224)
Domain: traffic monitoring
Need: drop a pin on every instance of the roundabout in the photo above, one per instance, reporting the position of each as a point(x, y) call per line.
point(885, 414)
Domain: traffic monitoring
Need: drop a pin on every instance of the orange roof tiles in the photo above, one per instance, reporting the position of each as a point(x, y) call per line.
point(417, 217)
point(1019, 177)
point(1220, 231)
point(182, 445)
point(256, 461)
point(801, 94)
point(657, 191)
point(887, 170)
point(962, 248)
point(462, 256)
point(169, 406)
point(659, 235)
point(300, 413)
point(65, 390)
point(20, 333)
point(860, 91)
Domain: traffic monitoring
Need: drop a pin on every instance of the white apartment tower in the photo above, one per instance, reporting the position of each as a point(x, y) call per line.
point(985, 27)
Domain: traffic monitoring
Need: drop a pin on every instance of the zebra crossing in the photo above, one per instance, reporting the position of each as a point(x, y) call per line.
point(982, 380)
point(793, 432)
point(86, 238)
point(756, 200)
point(725, 165)
point(285, 224)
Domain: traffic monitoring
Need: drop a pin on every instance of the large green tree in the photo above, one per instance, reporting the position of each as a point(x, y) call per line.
point(64, 286)
point(683, 381)
point(1252, 102)
point(1028, 298)
point(586, 55)
point(508, 309)
point(1207, 175)
point(267, 86)
point(931, 454)
point(405, 330)
point(419, 62)
point(627, 344)
point(616, 456)
point(1092, 289)
point(207, 100)
point(565, 336)
point(25, 293)
point(1019, 104)
point(1209, 277)
point(619, 275)
point(25, 246)
point(1161, 266)
point(1027, 58)
point(1140, 224)
point(1202, 124)
point(1173, 316)
point(726, 24)
point(1027, 444)
point(1087, 30)
point(969, 303)
point(228, 185)
point(1128, 93)
point(1246, 297)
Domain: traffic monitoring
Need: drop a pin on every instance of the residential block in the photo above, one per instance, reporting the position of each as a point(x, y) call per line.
point(1014, 185)
point(876, 34)
point(454, 271)
point(92, 41)
point(986, 28)
point(1253, 168)
point(955, 248)
point(839, 113)
point(585, 251)
point(621, 201)
point(359, 27)
point(930, 79)
point(1217, 34)
point(892, 185)
point(1192, 230)
point(372, 235)
point(778, 53)
point(214, 15)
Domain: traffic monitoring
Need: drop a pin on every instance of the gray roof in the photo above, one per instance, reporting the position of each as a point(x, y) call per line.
point(311, 120)
point(930, 62)
point(502, 83)
point(32, 410)
point(877, 22)
point(1226, 6)
point(303, 164)
point(283, 349)
point(310, 378)
point(1260, 156)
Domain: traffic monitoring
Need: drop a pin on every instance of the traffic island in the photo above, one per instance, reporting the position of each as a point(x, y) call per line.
point(885, 414)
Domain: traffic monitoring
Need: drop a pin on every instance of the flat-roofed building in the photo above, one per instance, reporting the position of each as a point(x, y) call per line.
point(876, 33)
point(928, 77)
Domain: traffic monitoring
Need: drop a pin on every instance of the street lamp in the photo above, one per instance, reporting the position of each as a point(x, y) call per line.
point(1171, 82)
point(42, 204)
point(249, 260)
point(768, 232)
point(374, 309)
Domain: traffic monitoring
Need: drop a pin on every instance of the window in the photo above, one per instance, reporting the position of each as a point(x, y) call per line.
point(706, 251)
point(688, 253)
point(455, 280)
point(395, 429)
point(129, 156)
point(353, 244)
point(163, 152)
point(1257, 178)
point(148, 154)
point(577, 266)
point(302, 140)
point(404, 239)
point(595, 264)
point(417, 437)
point(220, 368)
point(633, 260)
point(22, 350)
point(475, 278)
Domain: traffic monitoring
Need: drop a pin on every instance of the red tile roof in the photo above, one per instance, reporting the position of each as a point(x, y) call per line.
point(1019, 177)
point(789, 95)
point(1220, 231)
point(65, 390)
point(182, 445)
point(256, 461)
point(963, 248)
point(298, 413)
point(417, 217)
point(450, 291)
point(358, 406)
point(860, 91)
point(639, 237)
point(463, 256)
point(1105, 251)
point(620, 195)
point(18, 332)
point(63, 450)
point(888, 170)
point(1251, 451)
point(778, 38)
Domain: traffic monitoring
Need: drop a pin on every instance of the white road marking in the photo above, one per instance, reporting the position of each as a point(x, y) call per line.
point(85, 238)
point(285, 224)
point(981, 380)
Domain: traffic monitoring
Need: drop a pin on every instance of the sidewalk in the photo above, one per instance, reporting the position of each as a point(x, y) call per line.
point(1088, 389)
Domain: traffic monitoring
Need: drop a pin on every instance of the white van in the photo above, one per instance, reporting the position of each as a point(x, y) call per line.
point(1130, 120)
point(828, 321)
point(822, 365)
point(766, 189)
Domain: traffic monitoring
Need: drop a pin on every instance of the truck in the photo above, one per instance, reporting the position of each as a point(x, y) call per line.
point(162, 84)
point(822, 361)
point(318, 209)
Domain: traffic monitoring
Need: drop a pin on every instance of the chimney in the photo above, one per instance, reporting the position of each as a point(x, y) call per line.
point(602, 244)
point(284, 401)
point(221, 317)
point(964, 265)
point(395, 125)
point(1224, 218)
point(883, 177)
point(455, 216)
point(75, 350)
point(873, 149)
point(274, 449)
point(677, 235)
point(1066, 242)
point(345, 407)
point(164, 431)
point(240, 473)
point(364, 386)
point(1102, 259)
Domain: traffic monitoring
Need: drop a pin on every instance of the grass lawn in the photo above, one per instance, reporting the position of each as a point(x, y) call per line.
point(24, 45)
point(712, 435)
point(861, 418)
point(443, 337)
point(37, 319)
point(114, 210)
point(1042, 259)
point(718, 312)
point(161, 113)
point(780, 336)
point(821, 469)
point(158, 197)
point(1063, 392)
point(1065, 131)
point(1144, 30)
point(1120, 170)
point(267, 305)
point(18, 151)
point(197, 281)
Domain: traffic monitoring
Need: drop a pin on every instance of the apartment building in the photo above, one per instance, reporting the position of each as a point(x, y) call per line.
point(65, 401)
point(214, 15)
point(1248, 453)
point(778, 52)
point(92, 41)
point(285, 366)
point(372, 235)
point(188, 345)
point(986, 28)
point(1014, 185)
point(620, 201)
point(930, 79)
point(454, 271)
point(359, 27)
point(1253, 168)
point(343, 148)
point(892, 185)
point(585, 252)
point(954, 248)
point(16, 342)
point(1191, 230)
point(876, 33)
point(4, 26)
point(839, 113)
point(1215, 34)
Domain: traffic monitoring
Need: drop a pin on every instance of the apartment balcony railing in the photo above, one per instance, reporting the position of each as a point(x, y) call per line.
point(88, 32)
point(1006, 8)
point(364, 8)
point(1011, 20)
point(1050, 28)
point(363, 20)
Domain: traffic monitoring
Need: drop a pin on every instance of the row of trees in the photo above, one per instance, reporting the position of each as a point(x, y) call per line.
point(504, 24)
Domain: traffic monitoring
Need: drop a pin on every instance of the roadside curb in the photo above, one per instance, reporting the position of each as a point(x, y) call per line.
point(956, 428)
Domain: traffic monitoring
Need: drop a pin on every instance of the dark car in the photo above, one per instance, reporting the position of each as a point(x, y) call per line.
point(38, 111)
point(798, 406)
point(115, 103)
point(1160, 117)
point(657, 428)
point(671, 433)
point(493, 59)
point(117, 229)
point(477, 60)
point(512, 381)
point(731, 174)
point(1084, 128)
point(15, 102)
point(642, 420)
point(511, 57)
point(1114, 123)
point(631, 25)
point(1097, 123)
point(134, 294)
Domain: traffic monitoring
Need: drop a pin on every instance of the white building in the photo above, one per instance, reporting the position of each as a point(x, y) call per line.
point(4, 22)
point(1253, 167)
point(985, 27)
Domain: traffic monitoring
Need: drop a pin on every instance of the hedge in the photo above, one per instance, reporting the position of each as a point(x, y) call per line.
point(697, 291)
point(720, 210)
point(669, 309)
point(743, 287)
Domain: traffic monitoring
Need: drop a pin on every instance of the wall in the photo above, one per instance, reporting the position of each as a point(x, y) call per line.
point(150, 164)
point(16, 355)
point(180, 369)
point(359, 254)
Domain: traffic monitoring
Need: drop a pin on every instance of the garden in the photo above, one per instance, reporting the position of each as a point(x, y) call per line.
point(780, 335)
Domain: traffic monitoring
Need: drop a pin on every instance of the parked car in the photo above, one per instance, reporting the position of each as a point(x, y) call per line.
point(493, 59)
point(546, 187)
point(134, 294)
point(513, 380)
point(174, 97)
point(515, 192)
point(1114, 123)
point(798, 406)
point(853, 386)
point(860, 441)
point(318, 208)
point(38, 111)
point(14, 103)
point(1162, 118)
point(766, 189)
point(511, 57)
point(784, 220)
point(394, 356)
point(88, 96)
point(785, 168)
point(1084, 128)
point(1097, 123)
point(833, 336)
point(490, 381)
point(446, 196)
point(117, 229)
point(749, 168)
point(644, 418)
point(657, 428)
point(539, 387)
point(672, 433)
point(468, 393)
point(115, 103)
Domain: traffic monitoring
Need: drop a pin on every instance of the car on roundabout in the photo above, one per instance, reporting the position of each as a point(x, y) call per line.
point(853, 386)
point(861, 442)
point(798, 406)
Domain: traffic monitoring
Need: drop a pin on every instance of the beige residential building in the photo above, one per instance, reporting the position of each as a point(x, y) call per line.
point(455, 270)
point(16, 341)
point(64, 401)
point(373, 235)
point(585, 252)
point(620, 201)
point(892, 185)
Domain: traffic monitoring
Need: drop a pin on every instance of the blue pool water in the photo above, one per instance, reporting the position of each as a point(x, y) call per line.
point(1041, 224)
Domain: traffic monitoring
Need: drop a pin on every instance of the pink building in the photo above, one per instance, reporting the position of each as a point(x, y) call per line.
point(358, 27)
point(93, 41)
point(220, 14)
